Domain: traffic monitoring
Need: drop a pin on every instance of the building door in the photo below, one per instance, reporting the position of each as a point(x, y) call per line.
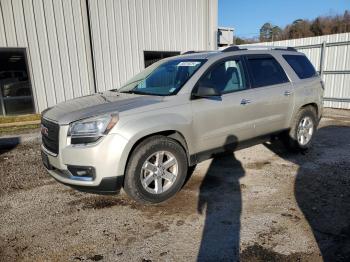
point(151, 57)
point(15, 86)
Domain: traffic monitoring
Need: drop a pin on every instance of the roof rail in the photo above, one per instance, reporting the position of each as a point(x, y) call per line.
point(233, 48)
point(289, 48)
point(188, 52)
point(257, 47)
point(197, 52)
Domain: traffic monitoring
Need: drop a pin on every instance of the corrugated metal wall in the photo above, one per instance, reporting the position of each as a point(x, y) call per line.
point(122, 30)
point(336, 70)
point(56, 36)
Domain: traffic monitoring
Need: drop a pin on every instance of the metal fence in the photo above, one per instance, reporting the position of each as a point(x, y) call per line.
point(327, 75)
point(331, 57)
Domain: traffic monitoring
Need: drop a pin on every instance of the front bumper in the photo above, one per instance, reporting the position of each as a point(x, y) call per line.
point(108, 185)
point(106, 156)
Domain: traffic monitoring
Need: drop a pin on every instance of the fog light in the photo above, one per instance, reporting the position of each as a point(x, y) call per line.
point(82, 171)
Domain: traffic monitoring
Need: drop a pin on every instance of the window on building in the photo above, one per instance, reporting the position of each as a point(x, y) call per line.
point(151, 57)
point(301, 66)
point(15, 87)
point(266, 71)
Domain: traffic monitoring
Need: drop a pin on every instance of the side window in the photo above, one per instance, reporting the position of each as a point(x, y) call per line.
point(266, 71)
point(301, 66)
point(226, 77)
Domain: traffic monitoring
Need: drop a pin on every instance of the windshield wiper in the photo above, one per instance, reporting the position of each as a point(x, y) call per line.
point(134, 92)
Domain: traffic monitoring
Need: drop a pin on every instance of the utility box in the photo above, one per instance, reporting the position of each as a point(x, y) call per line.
point(225, 36)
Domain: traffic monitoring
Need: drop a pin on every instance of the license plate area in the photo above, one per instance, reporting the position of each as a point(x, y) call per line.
point(46, 160)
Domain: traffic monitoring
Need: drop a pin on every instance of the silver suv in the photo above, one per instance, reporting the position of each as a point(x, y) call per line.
point(145, 135)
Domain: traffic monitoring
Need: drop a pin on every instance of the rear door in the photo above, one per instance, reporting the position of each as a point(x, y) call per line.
point(273, 93)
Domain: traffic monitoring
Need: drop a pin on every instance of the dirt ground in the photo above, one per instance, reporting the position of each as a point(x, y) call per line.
point(258, 204)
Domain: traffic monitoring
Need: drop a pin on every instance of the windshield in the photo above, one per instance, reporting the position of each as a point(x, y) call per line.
point(163, 78)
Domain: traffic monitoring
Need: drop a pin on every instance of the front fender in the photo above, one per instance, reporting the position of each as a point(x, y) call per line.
point(140, 127)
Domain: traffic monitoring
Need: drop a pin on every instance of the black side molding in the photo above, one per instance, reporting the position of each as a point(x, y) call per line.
point(108, 186)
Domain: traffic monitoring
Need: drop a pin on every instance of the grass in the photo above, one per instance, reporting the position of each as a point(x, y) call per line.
point(17, 129)
point(23, 118)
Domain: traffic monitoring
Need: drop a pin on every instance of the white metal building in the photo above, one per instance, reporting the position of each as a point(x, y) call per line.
point(62, 49)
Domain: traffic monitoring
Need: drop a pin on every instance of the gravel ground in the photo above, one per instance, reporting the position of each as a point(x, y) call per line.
point(258, 204)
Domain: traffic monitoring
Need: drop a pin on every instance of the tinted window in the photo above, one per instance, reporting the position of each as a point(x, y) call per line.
point(266, 71)
point(226, 77)
point(301, 65)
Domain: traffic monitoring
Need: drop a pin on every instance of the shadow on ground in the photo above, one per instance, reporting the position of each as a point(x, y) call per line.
point(322, 190)
point(220, 197)
point(7, 144)
point(221, 233)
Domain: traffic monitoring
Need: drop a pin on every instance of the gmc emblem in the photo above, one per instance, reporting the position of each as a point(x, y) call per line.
point(44, 130)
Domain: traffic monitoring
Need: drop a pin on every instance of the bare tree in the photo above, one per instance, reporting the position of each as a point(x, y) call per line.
point(322, 25)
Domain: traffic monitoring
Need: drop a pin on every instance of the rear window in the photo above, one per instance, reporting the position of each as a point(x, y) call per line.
point(266, 71)
point(301, 66)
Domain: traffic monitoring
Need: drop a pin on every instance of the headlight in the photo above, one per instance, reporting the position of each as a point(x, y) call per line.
point(91, 129)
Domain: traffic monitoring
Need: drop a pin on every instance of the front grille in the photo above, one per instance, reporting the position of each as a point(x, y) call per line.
point(50, 135)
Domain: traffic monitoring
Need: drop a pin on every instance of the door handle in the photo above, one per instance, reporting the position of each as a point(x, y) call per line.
point(245, 101)
point(287, 93)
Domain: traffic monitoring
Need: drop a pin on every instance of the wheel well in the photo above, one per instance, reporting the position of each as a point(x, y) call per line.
point(177, 136)
point(314, 105)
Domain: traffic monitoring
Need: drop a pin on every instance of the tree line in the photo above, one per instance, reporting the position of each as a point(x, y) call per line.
point(322, 25)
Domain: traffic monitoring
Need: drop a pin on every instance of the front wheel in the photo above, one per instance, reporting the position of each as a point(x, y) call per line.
point(156, 170)
point(302, 130)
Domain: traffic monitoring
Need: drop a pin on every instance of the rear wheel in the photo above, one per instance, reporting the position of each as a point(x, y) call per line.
point(302, 130)
point(156, 170)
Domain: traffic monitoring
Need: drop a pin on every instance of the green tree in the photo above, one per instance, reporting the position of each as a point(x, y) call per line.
point(239, 41)
point(347, 20)
point(316, 27)
point(242, 41)
point(266, 32)
point(276, 33)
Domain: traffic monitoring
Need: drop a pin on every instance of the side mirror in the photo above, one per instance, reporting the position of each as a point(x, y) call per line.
point(206, 91)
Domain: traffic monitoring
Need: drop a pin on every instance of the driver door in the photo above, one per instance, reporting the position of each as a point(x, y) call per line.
point(226, 119)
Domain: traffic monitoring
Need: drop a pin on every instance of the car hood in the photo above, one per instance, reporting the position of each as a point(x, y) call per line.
point(97, 104)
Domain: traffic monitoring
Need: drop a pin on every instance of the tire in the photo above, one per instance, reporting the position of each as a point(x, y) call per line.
point(145, 166)
point(304, 123)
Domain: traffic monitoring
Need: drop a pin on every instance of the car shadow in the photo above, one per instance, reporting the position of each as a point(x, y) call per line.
point(221, 201)
point(7, 144)
point(322, 189)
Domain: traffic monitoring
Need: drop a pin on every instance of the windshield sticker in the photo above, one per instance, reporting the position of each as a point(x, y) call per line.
point(172, 89)
point(188, 63)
